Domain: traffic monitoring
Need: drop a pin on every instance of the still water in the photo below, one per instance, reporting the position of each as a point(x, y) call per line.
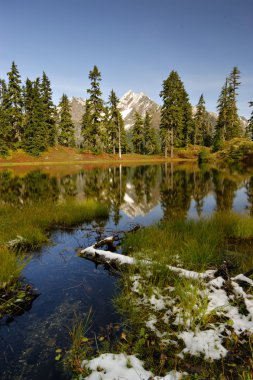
point(68, 286)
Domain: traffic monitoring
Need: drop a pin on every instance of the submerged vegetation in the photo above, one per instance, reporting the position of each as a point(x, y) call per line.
point(183, 306)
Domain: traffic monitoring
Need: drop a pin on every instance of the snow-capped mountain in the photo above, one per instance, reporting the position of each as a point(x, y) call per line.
point(130, 103)
point(133, 102)
point(77, 109)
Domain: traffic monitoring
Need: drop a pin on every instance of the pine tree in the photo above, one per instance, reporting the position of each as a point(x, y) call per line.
point(65, 125)
point(49, 110)
point(138, 134)
point(202, 127)
point(233, 123)
point(228, 124)
point(176, 119)
point(14, 104)
point(34, 124)
point(87, 128)
point(116, 130)
point(5, 129)
point(150, 137)
point(250, 123)
point(96, 108)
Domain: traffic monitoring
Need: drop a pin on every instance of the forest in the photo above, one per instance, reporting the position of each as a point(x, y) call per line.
point(29, 119)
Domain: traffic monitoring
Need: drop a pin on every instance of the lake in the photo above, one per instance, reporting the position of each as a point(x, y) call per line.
point(67, 285)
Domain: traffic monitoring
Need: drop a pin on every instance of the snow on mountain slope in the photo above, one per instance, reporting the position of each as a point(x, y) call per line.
point(133, 102)
point(130, 103)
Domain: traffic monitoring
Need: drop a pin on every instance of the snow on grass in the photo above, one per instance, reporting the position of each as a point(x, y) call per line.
point(201, 337)
point(120, 366)
point(207, 342)
point(195, 317)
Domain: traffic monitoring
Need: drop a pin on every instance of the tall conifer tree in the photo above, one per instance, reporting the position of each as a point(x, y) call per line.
point(96, 108)
point(228, 124)
point(176, 119)
point(35, 127)
point(14, 104)
point(5, 128)
point(233, 122)
point(49, 110)
point(202, 128)
point(138, 134)
point(116, 130)
point(150, 136)
point(86, 127)
point(65, 125)
point(250, 123)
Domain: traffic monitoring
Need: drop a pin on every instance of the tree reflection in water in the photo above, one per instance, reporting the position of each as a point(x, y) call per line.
point(132, 189)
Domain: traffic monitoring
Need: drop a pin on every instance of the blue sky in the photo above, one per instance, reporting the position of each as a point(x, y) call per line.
point(134, 43)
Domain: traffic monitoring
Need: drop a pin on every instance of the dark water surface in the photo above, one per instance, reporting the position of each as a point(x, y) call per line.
point(69, 285)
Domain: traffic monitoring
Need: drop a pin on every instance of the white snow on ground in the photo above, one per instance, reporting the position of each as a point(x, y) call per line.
point(243, 278)
point(205, 338)
point(122, 367)
point(207, 342)
point(157, 303)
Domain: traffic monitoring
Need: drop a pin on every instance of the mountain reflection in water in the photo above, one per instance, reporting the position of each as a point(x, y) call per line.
point(68, 285)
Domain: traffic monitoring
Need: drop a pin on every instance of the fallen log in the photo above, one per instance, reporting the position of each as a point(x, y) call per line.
point(105, 257)
point(118, 260)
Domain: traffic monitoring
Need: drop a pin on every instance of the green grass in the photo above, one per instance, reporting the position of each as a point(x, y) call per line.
point(25, 228)
point(196, 245)
point(11, 267)
point(33, 221)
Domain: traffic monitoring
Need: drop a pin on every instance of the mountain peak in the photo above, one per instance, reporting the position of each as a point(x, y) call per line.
point(132, 102)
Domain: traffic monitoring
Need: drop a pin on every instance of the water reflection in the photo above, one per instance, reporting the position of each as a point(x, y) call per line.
point(67, 283)
point(136, 190)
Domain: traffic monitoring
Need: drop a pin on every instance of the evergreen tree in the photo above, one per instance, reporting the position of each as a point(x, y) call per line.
point(87, 128)
point(202, 127)
point(34, 124)
point(65, 125)
point(5, 129)
point(14, 104)
point(150, 137)
point(116, 131)
point(49, 110)
point(96, 108)
point(138, 134)
point(176, 119)
point(228, 124)
point(233, 123)
point(250, 123)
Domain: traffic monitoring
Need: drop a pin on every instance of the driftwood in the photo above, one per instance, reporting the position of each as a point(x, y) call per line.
point(109, 256)
point(105, 257)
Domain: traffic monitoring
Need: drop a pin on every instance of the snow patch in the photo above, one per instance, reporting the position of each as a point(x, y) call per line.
point(206, 342)
point(122, 366)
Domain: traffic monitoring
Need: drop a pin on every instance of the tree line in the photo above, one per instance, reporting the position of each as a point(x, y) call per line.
point(29, 120)
point(179, 127)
